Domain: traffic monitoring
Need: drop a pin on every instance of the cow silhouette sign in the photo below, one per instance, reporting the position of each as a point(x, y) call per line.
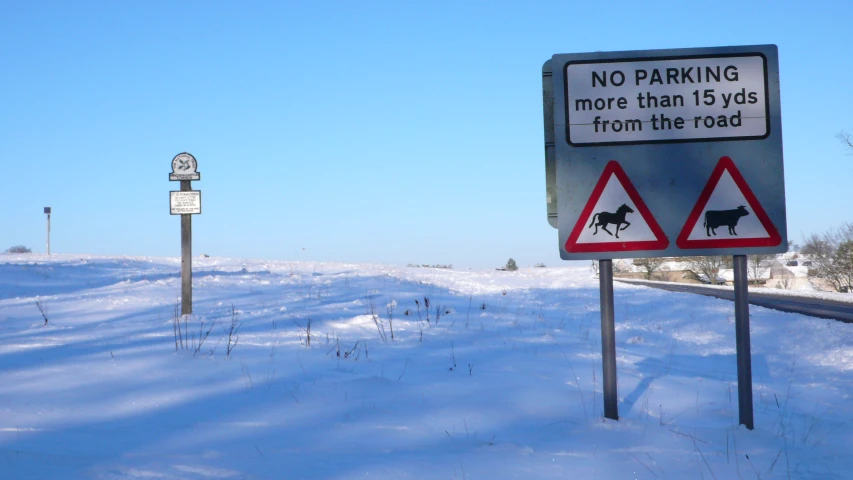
point(606, 218)
point(717, 218)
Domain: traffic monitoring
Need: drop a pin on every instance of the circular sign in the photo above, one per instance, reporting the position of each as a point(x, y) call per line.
point(184, 167)
point(184, 163)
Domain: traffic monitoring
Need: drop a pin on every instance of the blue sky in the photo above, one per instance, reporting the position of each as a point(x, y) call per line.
point(393, 132)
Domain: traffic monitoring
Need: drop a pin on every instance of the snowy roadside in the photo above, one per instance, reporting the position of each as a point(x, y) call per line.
point(488, 375)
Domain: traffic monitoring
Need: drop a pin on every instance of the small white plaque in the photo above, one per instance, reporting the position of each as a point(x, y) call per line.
point(185, 202)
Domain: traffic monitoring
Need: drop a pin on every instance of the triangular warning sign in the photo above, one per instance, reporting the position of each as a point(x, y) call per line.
point(727, 215)
point(615, 218)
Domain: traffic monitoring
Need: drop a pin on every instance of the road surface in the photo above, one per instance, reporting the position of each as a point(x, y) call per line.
point(814, 307)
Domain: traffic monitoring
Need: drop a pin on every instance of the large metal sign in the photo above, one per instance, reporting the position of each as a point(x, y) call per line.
point(665, 152)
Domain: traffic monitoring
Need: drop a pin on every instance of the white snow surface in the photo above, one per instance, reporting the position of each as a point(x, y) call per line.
point(502, 381)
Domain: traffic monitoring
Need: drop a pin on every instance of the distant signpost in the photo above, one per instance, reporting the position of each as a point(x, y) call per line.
point(47, 211)
point(186, 202)
point(663, 153)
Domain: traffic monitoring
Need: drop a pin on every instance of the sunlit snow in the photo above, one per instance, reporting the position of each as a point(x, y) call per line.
point(498, 377)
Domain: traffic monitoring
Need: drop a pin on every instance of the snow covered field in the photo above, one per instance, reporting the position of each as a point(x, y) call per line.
point(499, 378)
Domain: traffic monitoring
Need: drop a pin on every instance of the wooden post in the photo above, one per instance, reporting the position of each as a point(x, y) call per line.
point(186, 258)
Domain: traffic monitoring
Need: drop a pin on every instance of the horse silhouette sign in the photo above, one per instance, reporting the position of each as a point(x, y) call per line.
point(615, 203)
point(601, 219)
point(662, 153)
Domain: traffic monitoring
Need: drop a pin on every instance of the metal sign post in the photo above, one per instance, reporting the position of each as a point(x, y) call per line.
point(47, 212)
point(608, 339)
point(184, 169)
point(744, 353)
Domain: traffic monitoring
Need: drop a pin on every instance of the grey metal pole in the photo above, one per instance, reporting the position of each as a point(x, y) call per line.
point(744, 351)
point(608, 339)
point(186, 258)
point(48, 234)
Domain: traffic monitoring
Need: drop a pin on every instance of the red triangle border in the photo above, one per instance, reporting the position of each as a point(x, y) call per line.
point(613, 168)
point(724, 164)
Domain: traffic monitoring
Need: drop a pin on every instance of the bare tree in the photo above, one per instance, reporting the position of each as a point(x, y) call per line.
point(702, 268)
point(843, 263)
point(758, 265)
point(846, 139)
point(832, 256)
point(817, 247)
point(593, 267)
point(649, 266)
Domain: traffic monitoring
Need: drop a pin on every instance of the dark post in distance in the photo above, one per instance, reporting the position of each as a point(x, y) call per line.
point(185, 202)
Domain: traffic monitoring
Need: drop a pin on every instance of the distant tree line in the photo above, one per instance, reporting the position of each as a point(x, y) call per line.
point(830, 257)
